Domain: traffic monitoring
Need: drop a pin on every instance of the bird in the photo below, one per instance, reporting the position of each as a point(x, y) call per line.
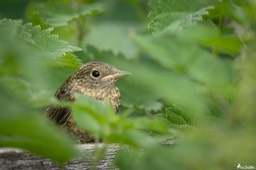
point(95, 79)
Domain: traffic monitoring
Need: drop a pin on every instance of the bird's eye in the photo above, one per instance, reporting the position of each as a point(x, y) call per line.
point(95, 73)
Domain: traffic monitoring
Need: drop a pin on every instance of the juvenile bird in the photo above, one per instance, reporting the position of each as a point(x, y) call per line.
point(95, 79)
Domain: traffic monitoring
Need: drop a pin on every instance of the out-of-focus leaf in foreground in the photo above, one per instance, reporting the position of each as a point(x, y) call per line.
point(24, 127)
point(101, 120)
point(26, 52)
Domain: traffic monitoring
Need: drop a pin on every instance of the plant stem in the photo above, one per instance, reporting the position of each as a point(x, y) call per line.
point(79, 23)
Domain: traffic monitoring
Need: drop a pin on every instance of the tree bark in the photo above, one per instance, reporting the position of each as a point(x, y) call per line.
point(18, 159)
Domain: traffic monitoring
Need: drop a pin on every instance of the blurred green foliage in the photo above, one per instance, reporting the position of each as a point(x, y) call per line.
point(193, 79)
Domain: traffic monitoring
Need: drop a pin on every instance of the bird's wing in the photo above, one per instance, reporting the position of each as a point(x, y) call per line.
point(60, 115)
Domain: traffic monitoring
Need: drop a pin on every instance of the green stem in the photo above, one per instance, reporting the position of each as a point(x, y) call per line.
point(79, 23)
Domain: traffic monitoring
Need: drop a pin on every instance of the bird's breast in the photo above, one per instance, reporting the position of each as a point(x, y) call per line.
point(112, 94)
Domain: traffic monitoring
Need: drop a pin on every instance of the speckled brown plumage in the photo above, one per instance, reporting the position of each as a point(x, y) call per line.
point(95, 79)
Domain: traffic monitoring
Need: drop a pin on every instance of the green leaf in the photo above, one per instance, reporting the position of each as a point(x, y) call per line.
point(23, 48)
point(212, 38)
point(17, 87)
point(132, 138)
point(178, 115)
point(92, 115)
point(114, 36)
point(153, 124)
point(24, 130)
point(9, 26)
point(194, 61)
point(69, 61)
point(169, 15)
point(28, 51)
point(59, 13)
point(41, 39)
point(100, 120)
point(221, 9)
point(148, 159)
point(240, 11)
point(22, 126)
point(44, 40)
point(124, 158)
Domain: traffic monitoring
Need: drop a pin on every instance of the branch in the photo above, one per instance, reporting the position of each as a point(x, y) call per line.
point(11, 158)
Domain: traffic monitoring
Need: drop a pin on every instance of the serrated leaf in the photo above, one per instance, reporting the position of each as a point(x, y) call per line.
point(178, 115)
point(69, 60)
point(44, 40)
point(21, 123)
point(57, 13)
point(41, 39)
point(9, 26)
point(170, 15)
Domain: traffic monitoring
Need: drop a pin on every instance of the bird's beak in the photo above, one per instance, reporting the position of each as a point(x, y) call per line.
point(117, 75)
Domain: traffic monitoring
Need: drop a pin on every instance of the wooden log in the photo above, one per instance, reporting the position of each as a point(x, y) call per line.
point(18, 159)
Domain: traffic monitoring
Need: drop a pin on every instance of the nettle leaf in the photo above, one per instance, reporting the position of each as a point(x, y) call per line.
point(24, 130)
point(56, 13)
point(221, 9)
point(164, 50)
point(28, 51)
point(91, 115)
point(170, 15)
point(69, 60)
point(17, 87)
point(10, 26)
point(178, 115)
point(21, 125)
point(41, 39)
point(194, 61)
point(24, 48)
point(44, 40)
point(118, 38)
point(212, 37)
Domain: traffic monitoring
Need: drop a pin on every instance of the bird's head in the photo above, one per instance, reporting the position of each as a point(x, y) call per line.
point(96, 75)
